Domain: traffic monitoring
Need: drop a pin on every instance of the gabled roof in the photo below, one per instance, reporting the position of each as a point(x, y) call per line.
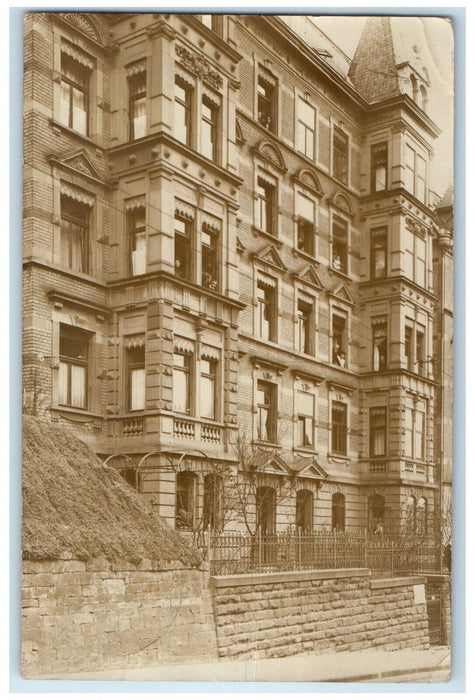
point(270, 462)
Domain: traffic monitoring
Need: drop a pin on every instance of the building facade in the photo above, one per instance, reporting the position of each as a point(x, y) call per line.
point(237, 280)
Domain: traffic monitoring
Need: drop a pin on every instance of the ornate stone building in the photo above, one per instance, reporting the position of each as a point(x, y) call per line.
point(234, 267)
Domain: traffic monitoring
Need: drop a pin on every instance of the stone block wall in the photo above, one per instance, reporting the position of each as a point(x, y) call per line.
point(281, 614)
point(90, 615)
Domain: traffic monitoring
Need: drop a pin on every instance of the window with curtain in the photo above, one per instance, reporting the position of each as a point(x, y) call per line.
point(74, 94)
point(415, 431)
point(136, 370)
point(380, 345)
point(304, 318)
point(305, 211)
point(379, 167)
point(138, 105)
point(340, 245)
point(340, 155)
point(305, 128)
point(266, 292)
point(266, 193)
point(182, 377)
point(378, 431)
point(183, 111)
point(209, 128)
point(266, 411)
point(208, 372)
point(378, 253)
point(183, 247)
point(74, 234)
point(339, 340)
point(73, 357)
point(305, 418)
point(339, 425)
point(376, 514)
point(137, 241)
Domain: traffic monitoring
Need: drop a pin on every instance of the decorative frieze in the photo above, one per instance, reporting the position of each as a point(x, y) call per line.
point(199, 66)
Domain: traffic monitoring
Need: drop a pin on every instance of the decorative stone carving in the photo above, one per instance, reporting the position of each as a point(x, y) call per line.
point(199, 66)
point(416, 227)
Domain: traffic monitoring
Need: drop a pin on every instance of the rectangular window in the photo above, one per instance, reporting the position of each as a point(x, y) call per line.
point(410, 178)
point(340, 155)
point(136, 366)
point(339, 340)
point(421, 178)
point(265, 203)
point(137, 241)
point(305, 326)
point(377, 431)
point(380, 346)
point(74, 234)
point(183, 247)
point(73, 353)
point(138, 105)
point(74, 94)
point(208, 389)
point(266, 412)
point(182, 368)
point(305, 419)
point(305, 210)
point(209, 258)
point(305, 128)
point(415, 432)
point(209, 128)
point(378, 256)
point(183, 99)
point(379, 167)
point(339, 427)
point(419, 261)
point(420, 352)
point(266, 101)
point(340, 245)
point(265, 306)
point(409, 348)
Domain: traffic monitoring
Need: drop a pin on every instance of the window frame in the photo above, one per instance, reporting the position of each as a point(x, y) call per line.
point(339, 349)
point(187, 370)
point(211, 250)
point(379, 160)
point(266, 206)
point(186, 257)
point(134, 98)
point(340, 249)
point(268, 99)
point(379, 331)
point(212, 377)
point(376, 236)
point(304, 510)
point(213, 122)
point(338, 512)
point(191, 489)
point(132, 366)
point(377, 429)
point(72, 84)
point(340, 155)
point(186, 105)
point(135, 232)
point(268, 409)
point(68, 216)
point(79, 336)
point(305, 419)
point(301, 124)
point(267, 302)
point(339, 428)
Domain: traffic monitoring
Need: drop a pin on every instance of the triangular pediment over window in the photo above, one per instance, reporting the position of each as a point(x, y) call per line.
point(308, 467)
point(342, 293)
point(269, 256)
point(80, 163)
point(308, 275)
point(269, 462)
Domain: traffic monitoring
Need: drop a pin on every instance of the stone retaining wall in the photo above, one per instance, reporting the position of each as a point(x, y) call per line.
point(84, 616)
point(281, 614)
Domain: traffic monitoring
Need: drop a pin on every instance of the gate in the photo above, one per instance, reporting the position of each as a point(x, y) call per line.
point(434, 613)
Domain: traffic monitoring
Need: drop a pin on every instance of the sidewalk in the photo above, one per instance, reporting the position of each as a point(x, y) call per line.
point(431, 665)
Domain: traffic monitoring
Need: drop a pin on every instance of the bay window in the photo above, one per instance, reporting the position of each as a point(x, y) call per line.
point(380, 345)
point(210, 255)
point(183, 245)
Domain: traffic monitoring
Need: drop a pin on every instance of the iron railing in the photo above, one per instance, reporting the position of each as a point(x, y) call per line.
point(385, 556)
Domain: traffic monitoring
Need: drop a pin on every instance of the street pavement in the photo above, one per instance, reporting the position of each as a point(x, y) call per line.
point(370, 666)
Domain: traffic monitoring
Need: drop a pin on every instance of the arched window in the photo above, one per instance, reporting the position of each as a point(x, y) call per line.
point(304, 510)
point(185, 503)
point(376, 513)
point(410, 515)
point(265, 510)
point(338, 511)
point(213, 502)
point(421, 516)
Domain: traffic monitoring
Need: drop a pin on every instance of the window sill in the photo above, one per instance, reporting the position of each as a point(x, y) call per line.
point(308, 256)
point(340, 273)
point(76, 134)
point(266, 443)
point(270, 236)
point(83, 414)
point(339, 457)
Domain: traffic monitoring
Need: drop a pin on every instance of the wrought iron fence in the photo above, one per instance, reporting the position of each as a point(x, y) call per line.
point(386, 557)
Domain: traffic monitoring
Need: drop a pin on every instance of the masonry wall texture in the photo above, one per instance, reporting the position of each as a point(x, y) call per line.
point(323, 611)
point(84, 616)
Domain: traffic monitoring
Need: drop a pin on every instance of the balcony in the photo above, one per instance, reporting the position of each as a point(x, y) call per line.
point(190, 429)
point(132, 427)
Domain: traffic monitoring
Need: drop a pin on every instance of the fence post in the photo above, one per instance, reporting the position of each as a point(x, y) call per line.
point(334, 549)
point(259, 551)
point(392, 559)
point(365, 550)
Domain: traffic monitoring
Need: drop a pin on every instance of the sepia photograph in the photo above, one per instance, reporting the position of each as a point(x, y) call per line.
point(237, 383)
